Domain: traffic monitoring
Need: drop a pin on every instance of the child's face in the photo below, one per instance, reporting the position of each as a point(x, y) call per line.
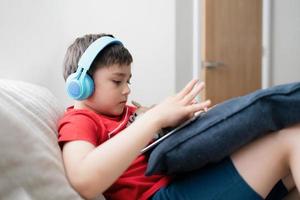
point(111, 89)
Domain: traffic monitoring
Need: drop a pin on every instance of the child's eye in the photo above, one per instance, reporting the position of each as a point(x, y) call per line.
point(129, 82)
point(117, 82)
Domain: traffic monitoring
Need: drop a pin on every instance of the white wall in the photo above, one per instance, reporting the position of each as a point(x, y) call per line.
point(184, 42)
point(188, 41)
point(34, 35)
point(285, 41)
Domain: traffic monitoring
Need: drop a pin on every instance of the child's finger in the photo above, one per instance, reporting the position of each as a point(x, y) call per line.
point(136, 104)
point(199, 106)
point(152, 106)
point(187, 88)
point(193, 101)
point(205, 105)
point(193, 93)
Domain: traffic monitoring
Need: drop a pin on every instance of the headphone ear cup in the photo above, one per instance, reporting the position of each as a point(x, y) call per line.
point(79, 88)
point(87, 87)
point(73, 86)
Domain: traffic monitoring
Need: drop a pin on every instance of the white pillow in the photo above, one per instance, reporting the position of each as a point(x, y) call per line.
point(30, 159)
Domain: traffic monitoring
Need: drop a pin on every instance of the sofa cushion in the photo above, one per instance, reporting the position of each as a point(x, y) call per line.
point(225, 128)
point(30, 159)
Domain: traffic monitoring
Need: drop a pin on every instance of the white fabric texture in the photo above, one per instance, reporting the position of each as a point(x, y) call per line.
point(30, 159)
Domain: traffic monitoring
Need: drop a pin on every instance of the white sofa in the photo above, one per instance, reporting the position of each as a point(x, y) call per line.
point(30, 159)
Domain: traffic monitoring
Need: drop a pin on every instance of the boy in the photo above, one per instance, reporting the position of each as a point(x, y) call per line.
point(103, 115)
point(101, 146)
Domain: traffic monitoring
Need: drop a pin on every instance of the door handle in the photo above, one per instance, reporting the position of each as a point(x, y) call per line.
point(212, 64)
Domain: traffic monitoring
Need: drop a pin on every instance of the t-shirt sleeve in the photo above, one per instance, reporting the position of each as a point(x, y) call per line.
point(77, 126)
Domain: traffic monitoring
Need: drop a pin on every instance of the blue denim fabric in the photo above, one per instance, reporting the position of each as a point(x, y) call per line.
point(225, 128)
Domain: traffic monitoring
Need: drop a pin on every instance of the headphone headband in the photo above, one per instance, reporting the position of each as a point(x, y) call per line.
point(92, 51)
point(80, 85)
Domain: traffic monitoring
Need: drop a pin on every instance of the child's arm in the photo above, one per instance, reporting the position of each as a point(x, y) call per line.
point(91, 170)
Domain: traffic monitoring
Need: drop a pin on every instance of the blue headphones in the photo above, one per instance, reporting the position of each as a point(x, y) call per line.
point(80, 85)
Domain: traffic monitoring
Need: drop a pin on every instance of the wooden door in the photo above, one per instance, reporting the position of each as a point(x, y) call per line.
point(231, 48)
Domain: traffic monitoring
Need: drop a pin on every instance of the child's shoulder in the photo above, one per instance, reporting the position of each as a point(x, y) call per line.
point(80, 124)
point(79, 116)
point(71, 112)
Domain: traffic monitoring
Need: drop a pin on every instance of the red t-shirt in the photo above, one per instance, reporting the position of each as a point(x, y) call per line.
point(79, 124)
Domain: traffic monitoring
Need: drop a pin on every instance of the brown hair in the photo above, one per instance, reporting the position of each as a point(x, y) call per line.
point(112, 54)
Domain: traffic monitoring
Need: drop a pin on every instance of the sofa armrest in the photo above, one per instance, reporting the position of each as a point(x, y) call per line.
point(30, 159)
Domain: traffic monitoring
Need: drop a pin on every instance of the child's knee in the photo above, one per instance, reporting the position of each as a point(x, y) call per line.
point(289, 139)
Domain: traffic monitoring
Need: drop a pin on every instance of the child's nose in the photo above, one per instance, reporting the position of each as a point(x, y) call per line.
point(126, 89)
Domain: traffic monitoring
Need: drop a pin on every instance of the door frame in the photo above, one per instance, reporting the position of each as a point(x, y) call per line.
point(267, 79)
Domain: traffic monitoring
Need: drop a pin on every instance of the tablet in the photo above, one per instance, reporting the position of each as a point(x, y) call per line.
point(157, 141)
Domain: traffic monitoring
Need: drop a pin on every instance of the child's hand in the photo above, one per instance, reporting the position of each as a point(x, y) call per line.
point(179, 108)
point(140, 109)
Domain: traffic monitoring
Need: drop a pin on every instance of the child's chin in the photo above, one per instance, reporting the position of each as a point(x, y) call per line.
point(118, 111)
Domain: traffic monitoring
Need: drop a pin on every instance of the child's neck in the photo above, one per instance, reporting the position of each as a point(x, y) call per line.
point(83, 106)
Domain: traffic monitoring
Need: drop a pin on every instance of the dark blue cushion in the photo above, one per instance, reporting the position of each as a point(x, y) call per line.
point(225, 128)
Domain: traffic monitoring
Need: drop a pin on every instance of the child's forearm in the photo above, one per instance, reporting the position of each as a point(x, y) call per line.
point(101, 167)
